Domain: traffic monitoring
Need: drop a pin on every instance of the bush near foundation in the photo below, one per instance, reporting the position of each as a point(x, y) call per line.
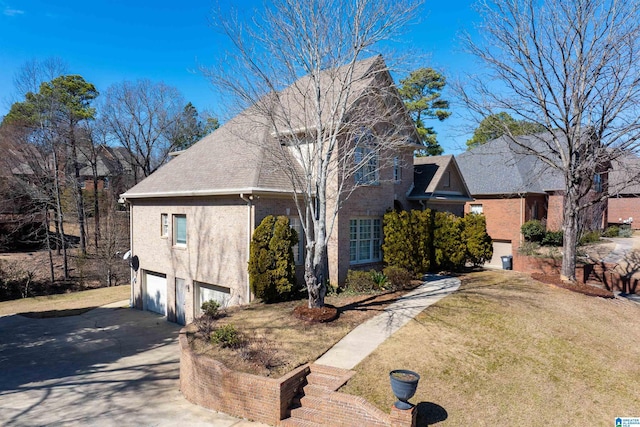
point(479, 243)
point(407, 240)
point(449, 247)
point(272, 270)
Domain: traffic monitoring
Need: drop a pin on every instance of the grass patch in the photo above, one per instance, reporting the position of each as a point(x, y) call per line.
point(278, 342)
point(69, 304)
point(507, 350)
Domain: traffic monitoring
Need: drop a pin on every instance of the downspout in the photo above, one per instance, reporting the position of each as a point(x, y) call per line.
point(424, 206)
point(522, 209)
point(248, 200)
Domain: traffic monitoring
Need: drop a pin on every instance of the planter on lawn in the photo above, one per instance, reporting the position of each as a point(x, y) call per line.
point(403, 384)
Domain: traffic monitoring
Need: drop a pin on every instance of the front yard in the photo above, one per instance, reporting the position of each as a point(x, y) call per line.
point(506, 350)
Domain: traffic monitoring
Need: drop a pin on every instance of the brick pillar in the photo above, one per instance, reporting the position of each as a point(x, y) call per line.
point(403, 417)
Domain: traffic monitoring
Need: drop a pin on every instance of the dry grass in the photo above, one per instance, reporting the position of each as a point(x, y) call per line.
point(286, 342)
point(66, 304)
point(506, 350)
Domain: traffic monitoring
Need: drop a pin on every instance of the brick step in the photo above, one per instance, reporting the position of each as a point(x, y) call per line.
point(314, 390)
point(324, 380)
point(309, 415)
point(298, 422)
point(312, 402)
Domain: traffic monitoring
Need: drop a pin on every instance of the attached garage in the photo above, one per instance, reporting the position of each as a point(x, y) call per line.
point(155, 292)
point(500, 249)
point(207, 291)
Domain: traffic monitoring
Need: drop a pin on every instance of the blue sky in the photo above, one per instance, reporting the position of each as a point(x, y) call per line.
point(110, 41)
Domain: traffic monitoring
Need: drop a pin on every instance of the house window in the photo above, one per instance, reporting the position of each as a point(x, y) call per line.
point(365, 237)
point(597, 183)
point(105, 183)
point(164, 225)
point(180, 230)
point(476, 209)
point(446, 179)
point(83, 184)
point(397, 170)
point(298, 249)
point(366, 160)
point(206, 292)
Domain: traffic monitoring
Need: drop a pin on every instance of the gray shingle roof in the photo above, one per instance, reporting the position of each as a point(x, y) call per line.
point(500, 166)
point(427, 174)
point(243, 154)
point(624, 177)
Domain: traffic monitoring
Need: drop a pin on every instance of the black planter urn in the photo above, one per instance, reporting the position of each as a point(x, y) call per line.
point(403, 384)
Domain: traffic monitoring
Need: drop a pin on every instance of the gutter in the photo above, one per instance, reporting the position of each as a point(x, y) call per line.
point(249, 201)
point(224, 192)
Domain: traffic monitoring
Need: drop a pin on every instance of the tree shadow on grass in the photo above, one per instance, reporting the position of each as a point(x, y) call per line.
point(430, 413)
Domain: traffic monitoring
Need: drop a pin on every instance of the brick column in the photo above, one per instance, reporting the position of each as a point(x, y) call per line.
point(403, 418)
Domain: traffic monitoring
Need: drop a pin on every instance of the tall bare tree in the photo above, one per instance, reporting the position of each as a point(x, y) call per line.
point(571, 67)
point(339, 117)
point(143, 117)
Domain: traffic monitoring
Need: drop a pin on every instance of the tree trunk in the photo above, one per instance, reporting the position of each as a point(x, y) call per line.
point(60, 218)
point(570, 234)
point(316, 274)
point(48, 240)
point(79, 196)
point(96, 207)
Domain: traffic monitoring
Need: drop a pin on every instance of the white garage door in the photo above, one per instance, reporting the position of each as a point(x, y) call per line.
point(155, 296)
point(207, 291)
point(500, 248)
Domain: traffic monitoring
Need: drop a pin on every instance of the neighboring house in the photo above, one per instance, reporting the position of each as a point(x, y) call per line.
point(511, 187)
point(624, 190)
point(438, 185)
point(112, 165)
point(192, 220)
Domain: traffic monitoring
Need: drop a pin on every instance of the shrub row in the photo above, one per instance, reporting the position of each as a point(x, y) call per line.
point(420, 241)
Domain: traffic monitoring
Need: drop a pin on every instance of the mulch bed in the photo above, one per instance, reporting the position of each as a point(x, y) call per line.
point(588, 290)
point(324, 314)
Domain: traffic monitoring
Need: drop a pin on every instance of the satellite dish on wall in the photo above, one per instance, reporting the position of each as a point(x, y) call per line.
point(135, 263)
point(127, 255)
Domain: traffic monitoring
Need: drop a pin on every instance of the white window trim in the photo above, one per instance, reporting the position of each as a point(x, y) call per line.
point(298, 249)
point(476, 206)
point(164, 225)
point(376, 243)
point(397, 170)
point(175, 218)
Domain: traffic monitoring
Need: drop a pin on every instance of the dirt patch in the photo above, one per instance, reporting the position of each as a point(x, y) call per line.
point(555, 280)
point(315, 315)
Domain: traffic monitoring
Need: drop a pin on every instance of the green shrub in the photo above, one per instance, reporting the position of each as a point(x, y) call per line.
point(449, 248)
point(271, 263)
point(590, 237)
point(533, 230)
point(408, 240)
point(379, 279)
point(226, 336)
point(611, 231)
point(398, 277)
point(359, 281)
point(478, 242)
point(553, 238)
point(625, 231)
point(211, 308)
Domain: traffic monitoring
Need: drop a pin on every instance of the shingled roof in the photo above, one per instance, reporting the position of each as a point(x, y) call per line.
point(427, 175)
point(501, 167)
point(243, 155)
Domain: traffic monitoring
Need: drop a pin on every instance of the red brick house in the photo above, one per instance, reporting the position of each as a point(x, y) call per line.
point(624, 192)
point(511, 187)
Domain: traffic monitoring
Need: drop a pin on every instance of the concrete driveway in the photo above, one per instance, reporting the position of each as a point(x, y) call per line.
point(107, 367)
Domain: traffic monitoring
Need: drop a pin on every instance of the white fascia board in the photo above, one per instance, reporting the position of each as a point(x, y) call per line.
point(195, 193)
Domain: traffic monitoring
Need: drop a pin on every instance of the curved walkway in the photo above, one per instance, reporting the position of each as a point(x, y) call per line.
point(364, 339)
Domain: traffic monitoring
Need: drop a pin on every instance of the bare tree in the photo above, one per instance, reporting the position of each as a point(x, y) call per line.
point(340, 115)
point(143, 117)
point(570, 66)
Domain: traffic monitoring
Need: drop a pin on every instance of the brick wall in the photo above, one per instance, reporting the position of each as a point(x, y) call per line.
point(624, 207)
point(208, 383)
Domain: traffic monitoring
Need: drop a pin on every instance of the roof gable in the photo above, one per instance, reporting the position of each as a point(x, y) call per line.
point(438, 178)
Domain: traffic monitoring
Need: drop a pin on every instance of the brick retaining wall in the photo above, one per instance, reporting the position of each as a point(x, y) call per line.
point(208, 383)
